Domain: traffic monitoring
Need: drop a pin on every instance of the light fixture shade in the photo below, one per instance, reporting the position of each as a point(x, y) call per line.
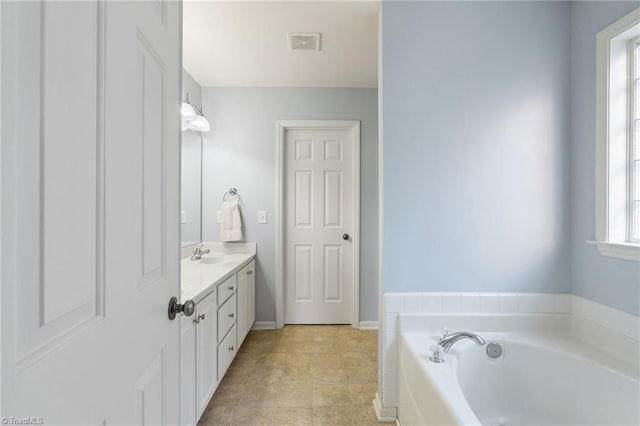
point(187, 112)
point(199, 124)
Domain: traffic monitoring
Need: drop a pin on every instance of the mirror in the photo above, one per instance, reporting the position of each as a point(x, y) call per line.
point(191, 186)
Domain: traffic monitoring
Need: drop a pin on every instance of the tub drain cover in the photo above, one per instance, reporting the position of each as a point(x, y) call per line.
point(494, 350)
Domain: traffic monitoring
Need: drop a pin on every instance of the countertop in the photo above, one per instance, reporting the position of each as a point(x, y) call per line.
point(200, 278)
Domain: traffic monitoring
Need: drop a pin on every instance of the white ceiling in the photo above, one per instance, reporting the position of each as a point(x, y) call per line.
point(245, 44)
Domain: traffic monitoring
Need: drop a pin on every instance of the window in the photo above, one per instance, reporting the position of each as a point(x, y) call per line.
point(618, 139)
point(634, 145)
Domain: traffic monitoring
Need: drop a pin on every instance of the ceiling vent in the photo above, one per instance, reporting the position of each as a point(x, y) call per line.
point(304, 41)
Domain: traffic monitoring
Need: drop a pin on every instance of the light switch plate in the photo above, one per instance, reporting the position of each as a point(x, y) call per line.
point(183, 216)
point(219, 219)
point(262, 216)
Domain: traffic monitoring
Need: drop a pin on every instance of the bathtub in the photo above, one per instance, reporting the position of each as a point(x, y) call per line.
point(540, 379)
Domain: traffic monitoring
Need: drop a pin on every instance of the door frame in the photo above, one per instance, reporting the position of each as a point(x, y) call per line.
point(281, 127)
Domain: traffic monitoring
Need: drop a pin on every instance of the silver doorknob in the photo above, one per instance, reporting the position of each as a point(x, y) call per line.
point(345, 237)
point(187, 308)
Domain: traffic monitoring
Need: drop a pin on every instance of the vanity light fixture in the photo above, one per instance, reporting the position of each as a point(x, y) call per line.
point(200, 123)
point(187, 112)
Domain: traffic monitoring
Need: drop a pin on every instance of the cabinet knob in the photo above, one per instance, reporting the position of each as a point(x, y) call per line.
point(230, 315)
point(231, 288)
point(198, 319)
point(231, 348)
point(249, 272)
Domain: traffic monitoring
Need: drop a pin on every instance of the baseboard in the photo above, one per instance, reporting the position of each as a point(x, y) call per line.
point(368, 325)
point(384, 414)
point(271, 325)
point(264, 325)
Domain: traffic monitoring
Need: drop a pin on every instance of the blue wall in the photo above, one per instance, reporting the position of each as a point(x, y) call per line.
point(240, 151)
point(476, 146)
point(606, 280)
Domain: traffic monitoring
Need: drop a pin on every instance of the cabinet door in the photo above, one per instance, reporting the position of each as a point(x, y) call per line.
point(251, 295)
point(241, 327)
point(206, 351)
point(187, 371)
point(246, 280)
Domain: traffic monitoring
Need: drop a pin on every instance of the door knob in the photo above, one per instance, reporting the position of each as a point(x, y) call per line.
point(187, 308)
point(345, 237)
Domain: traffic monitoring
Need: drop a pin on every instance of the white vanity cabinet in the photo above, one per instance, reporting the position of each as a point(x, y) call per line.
point(210, 338)
point(198, 360)
point(187, 371)
point(206, 351)
point(251, 296)
point(246, 279)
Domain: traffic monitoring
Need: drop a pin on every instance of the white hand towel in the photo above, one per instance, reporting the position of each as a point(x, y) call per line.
point(230, 222)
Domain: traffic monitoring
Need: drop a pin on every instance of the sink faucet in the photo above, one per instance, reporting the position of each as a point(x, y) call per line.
point(448, 340)
point(198, 252)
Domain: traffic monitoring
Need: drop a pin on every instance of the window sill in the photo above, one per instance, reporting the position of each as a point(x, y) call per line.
point(620, 250)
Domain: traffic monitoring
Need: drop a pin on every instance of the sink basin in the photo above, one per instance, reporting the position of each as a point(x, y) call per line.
point(213, 260)
point(197, 278)
point(220, 259)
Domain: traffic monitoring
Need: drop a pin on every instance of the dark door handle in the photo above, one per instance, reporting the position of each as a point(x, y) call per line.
point(188, 308)
point(345, 237)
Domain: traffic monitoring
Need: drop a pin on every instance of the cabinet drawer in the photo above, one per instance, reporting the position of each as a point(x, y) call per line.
point(226, 351)
point(226, 316)
point(226, 289)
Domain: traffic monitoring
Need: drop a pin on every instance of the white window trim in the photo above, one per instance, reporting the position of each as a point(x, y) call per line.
point(633, 72)
point(612, 132)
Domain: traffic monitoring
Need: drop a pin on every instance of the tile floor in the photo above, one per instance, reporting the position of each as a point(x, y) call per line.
point(299, 375)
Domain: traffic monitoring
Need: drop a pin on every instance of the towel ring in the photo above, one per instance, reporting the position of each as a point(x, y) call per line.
point(233, 192)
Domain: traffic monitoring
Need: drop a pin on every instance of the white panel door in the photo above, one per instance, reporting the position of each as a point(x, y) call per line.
point(319, 226)
point(90, 172)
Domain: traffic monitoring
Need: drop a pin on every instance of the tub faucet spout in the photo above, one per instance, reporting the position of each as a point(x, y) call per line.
point(448, 340)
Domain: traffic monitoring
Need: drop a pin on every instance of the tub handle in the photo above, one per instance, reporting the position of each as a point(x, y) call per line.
point(436, 355)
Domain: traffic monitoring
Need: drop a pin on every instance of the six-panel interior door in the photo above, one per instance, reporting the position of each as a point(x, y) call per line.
point(90, 186)
point(319, 210)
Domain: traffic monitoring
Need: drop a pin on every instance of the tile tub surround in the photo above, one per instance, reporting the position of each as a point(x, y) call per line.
point(299, 375)
point(613, 331)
